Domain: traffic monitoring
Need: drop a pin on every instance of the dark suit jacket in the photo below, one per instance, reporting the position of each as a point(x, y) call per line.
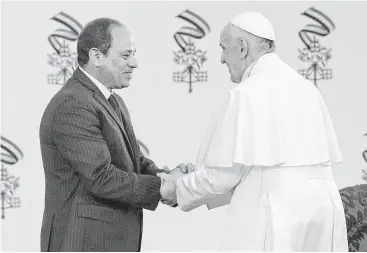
point(96, 185)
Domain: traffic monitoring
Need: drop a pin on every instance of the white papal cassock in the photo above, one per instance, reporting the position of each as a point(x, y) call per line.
point(268, 152)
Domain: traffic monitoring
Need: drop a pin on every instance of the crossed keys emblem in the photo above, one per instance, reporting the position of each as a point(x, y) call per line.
point(10, 155)
point(63, 58)
point(314, 53)
point(188, 55)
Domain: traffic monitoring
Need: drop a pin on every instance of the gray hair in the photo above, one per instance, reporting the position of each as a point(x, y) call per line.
point(265, 45)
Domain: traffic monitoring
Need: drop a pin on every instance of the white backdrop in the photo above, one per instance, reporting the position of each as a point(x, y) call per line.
point(168, 119)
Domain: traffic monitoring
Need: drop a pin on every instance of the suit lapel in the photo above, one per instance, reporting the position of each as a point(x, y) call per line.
point(103, 101)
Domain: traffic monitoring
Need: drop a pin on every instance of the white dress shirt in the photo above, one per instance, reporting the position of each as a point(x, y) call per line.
point(105, 91)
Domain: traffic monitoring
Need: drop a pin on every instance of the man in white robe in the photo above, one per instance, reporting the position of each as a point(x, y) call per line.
point(268, 152)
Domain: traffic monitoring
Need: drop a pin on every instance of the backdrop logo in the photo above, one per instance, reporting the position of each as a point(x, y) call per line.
point(10, 155)
point(314, 52)
point(62, 58)
point(188, 55)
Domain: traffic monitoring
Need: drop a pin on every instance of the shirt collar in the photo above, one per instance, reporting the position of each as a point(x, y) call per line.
point(106, 92)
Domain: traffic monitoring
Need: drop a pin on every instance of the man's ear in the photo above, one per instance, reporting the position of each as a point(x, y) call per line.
point(95, 57)
point(243, 48)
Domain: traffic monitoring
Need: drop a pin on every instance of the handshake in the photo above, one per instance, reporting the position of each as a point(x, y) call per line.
point(169, 180)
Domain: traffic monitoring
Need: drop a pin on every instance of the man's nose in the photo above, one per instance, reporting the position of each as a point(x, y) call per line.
point(222, 59)
point(133, 63)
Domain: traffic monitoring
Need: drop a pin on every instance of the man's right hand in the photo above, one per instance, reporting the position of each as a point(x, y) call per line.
point(168, 189)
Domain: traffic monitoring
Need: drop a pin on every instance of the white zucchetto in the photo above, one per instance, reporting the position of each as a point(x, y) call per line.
point(254, 23)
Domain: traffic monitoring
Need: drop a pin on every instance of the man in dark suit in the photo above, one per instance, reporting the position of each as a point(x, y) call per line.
point(97, 180)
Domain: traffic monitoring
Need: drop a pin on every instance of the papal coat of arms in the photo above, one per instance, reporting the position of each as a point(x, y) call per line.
point(10, 155)
point(63, 58)
point(314, 52)
point(188, 55)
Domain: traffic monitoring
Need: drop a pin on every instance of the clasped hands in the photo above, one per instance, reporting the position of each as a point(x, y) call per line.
point(169, 180)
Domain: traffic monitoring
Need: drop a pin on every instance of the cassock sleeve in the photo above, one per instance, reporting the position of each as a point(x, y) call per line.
point(212, 186)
